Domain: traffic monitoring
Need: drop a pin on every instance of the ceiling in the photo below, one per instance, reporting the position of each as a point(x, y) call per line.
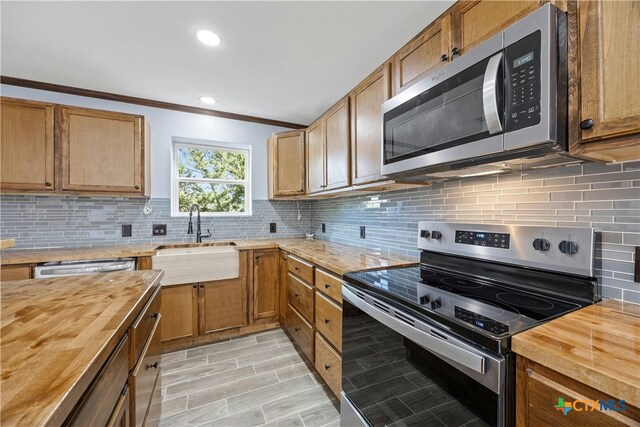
point(286, 61)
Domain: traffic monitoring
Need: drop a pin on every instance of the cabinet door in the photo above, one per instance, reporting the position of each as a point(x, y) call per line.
point(266, 281)
point(27, 157)
point(538, 392)
point(287, 164)
point(366, 126)
point(424, 54)
point(476, 21)
point(221, 305)
point(337, 146)
point(609, 33)
point(315, 157)
point(179, 308)
point(102, 151)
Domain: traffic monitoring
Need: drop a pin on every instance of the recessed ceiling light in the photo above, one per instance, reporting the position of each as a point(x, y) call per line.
point(208, 37)
point(207, 100)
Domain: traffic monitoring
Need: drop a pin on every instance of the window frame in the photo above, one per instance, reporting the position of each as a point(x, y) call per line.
point(209, 146)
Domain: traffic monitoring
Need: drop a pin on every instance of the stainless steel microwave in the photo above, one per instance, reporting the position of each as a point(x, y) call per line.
point(500, 106)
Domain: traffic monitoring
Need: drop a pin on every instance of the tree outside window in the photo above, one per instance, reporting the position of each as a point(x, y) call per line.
point(215, 178)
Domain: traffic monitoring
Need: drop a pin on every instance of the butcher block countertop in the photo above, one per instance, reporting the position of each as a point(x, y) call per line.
point(597, 345)
point(57, 333)
point(334, 257)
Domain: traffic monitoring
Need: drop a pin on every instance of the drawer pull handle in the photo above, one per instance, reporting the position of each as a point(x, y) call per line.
point(327, 320)
point(155, 315)
point(296, 268)
point(295, 295)
point(48, 184)
point(137, 187)
point(195, 286)
point(327, 367)
point(154, 366)
point(296, 329)
point(327, 286)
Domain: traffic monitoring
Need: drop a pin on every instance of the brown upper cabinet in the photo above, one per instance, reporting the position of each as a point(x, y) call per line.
point(286, 164)
point(328, 150)
point(55, 148)
point(366, 125)
point(102, 151)
point(315, 157)
point(28, 155)
point(475, 21)
point(427, 51)
point(607, 68)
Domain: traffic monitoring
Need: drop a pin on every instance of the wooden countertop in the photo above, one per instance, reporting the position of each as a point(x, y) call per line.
point(334, 257)
point(598, 345)
point(340, 258)
point(57, 333)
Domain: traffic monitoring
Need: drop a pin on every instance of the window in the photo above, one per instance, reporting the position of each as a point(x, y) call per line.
point(216, 178)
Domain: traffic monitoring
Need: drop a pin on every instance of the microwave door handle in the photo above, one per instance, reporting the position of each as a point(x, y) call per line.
point(490, 94)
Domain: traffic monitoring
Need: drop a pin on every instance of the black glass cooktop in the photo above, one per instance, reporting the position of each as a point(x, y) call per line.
point(474, 303)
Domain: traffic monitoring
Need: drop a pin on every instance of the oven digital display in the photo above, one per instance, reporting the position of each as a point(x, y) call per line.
point(523, 60)
point(480, 238)
point(481, 321)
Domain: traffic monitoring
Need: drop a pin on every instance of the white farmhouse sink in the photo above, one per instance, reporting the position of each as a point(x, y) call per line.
point(197, 264)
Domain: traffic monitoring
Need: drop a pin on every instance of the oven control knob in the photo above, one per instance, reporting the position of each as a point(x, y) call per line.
point(436, 235)
point(424, 299)
point(568, 247)
point(541, 245)
point(424, 234)
point(436, 303)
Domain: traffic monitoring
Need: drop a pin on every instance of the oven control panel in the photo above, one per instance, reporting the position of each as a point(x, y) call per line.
point(481, 238)
point(567, 249)
point(480, 321)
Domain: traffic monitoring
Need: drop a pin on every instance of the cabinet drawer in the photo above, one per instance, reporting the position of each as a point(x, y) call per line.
point(300, 331)
point(140, 331)
point(329, 284)
point(329, 365)
point(329, 320)
point(300, 296)
point(300, 268)
point(103, 395)
point(143, 377)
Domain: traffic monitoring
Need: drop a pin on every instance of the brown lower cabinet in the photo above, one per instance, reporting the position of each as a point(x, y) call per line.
point(126, 390)
point(301, 331)
point(313, 316)
point(198, 313)
point(193, 310)
point(538, 391)
point(329, 365)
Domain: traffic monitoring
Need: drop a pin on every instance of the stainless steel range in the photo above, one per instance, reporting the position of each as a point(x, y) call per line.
point(431, 344)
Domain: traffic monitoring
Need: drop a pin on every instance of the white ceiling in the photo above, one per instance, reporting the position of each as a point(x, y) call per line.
point(286, 61)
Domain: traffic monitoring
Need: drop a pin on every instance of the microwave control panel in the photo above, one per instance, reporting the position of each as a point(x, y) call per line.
point(522, 72)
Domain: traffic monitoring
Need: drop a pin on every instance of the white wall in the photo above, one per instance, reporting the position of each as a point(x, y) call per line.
point(168, 124)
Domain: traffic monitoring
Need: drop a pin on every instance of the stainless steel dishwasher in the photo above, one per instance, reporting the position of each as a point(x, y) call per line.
point(76, 268)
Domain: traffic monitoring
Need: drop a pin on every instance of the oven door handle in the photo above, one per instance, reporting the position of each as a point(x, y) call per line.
point(438, 342)
point(490, 94)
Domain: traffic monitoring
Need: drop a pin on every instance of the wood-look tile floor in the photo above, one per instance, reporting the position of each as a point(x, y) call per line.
point(256, 380)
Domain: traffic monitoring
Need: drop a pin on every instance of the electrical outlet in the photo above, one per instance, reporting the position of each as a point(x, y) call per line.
point(324, 228)
point(126, 230)
point(272, 227)
point(159, 229)
point(362, 232)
